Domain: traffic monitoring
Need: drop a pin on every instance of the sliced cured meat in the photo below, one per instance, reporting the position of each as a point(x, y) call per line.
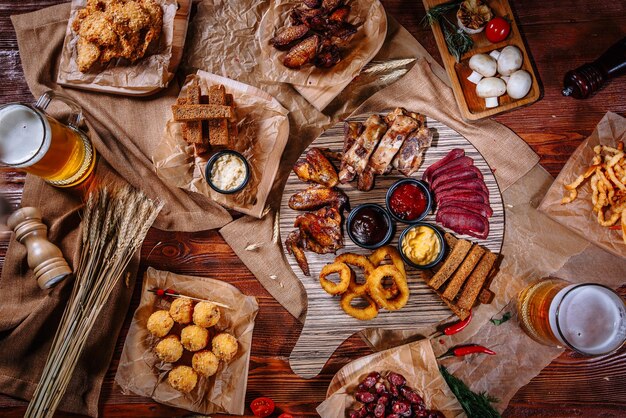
point(452, 155)
point(471, 184)
point(462, 195)
point(481, 209)
point(458, 174)
point(452, 165)
point(464, 222)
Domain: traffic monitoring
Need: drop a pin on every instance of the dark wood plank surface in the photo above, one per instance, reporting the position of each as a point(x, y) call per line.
point(560, 35)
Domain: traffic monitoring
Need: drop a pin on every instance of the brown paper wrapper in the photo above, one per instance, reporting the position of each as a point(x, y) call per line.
point(263, 129)
point(578, 215)
point(152, 71)
point(415, 361)
point(372, 21)
point(142, 373)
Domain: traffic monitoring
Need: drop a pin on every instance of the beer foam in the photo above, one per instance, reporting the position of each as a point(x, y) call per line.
point(592, 319)
point(22, 134)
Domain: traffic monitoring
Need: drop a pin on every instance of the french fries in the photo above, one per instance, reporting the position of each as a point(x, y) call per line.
point(607, 175)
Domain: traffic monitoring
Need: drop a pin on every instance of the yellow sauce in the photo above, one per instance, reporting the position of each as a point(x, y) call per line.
point(421, 245)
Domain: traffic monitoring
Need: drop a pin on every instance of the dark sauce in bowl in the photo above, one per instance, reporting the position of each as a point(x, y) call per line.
point(369, 226)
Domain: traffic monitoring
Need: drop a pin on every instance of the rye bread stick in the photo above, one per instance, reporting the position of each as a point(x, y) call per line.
point(218, 128)
point(462, 273)
point(454, 260)
point(186, 113)
point(193, 130)
point(476, 280)
point(460, 312)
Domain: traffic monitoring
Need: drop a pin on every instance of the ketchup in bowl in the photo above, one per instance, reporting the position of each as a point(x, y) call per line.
point(408, 200)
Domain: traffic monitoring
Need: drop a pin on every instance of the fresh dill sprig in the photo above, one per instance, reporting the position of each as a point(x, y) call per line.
point(457, 40)
point(476, 405)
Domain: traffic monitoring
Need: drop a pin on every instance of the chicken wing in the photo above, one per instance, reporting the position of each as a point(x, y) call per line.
point(316, 168)
point(321, 230)
point(295, 246)
point(302, 53)
point(318, 196)
point(287, 35)
point(391, 142)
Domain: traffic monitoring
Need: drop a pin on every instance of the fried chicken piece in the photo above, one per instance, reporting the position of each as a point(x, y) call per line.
point(313, 4)
point(129, 16)
point(287, 35)
point(327, 57)
point(340, 14)
point(330, 5)
point(97, 28)
point(321, 230)
point(318, 196)
point(316, 168)
point(86, 54)
point(302, 53)
point(295, 246)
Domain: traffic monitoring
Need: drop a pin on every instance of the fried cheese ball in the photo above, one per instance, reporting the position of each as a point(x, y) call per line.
point(169, 349)
point(182, 310)
point(205, 363)
point(194, 338)
point(225, 346)
point(160, 323)
point(206, 314)
point(182, 378)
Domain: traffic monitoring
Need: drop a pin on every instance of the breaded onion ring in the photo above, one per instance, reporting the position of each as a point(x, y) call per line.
point(376, 290)
point(381, 254)
point(345, 276)
point(361, 261)
point(363, 314)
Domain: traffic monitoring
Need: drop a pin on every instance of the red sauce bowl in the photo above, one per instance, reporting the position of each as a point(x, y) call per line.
point(409, 200)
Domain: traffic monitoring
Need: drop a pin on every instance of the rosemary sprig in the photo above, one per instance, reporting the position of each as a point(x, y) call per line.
point(502, 320)
point(457, 40)
point(476, 405)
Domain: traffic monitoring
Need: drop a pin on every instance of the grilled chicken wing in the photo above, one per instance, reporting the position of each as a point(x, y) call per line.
point(330, 5)
point(392, 141)
point(327, 57)
point(321, 230)
point(318, 196)
point(316, 168)
point(295, 245)
point(287, 35)
point(302, 53)
point(313, 4)
point(409, 158)
point(340, 14)
point(358, 155)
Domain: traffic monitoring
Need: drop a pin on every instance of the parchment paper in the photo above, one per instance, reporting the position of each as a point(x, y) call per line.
point(578, 215)
point(151, 71)
point(142, 373)
point(415, 361)
point(263, 129)
point(368, 15)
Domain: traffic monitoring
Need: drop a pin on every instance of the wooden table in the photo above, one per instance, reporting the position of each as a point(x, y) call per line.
point(561, 35)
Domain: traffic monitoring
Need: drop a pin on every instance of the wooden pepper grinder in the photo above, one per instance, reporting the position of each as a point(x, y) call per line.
point(44, 258)
point(588, 78)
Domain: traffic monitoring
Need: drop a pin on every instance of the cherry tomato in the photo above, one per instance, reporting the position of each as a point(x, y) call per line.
point(285, 415)
point(497, 29)
point(262, 407)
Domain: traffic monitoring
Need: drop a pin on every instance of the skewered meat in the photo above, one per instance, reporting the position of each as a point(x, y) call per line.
point(321, 230)
point(463, 173)
point(452, 155)
point(302, 53)
point(392, 141)
point(318, 196)
point(357, 157)
point(409, 158)
point(463, 221)
point(316, 168)
point(287, 35)
point(295, 245)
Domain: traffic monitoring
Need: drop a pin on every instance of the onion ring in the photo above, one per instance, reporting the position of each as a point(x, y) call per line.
point(362, 314)
point(375, 287)
point(345, 277)
point(361, 261)
point(396, 259)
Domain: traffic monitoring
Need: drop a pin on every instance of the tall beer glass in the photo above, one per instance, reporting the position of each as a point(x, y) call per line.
point(588, 318)
point(32, 140)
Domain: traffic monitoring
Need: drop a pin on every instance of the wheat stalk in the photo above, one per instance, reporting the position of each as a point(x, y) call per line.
point(114, 226)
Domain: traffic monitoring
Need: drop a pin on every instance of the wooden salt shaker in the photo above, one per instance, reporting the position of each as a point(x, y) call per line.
point(44, 258)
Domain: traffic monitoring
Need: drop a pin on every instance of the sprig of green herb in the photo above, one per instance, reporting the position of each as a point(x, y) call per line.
point(502, 320)
point(457, 41)
point(475, 405)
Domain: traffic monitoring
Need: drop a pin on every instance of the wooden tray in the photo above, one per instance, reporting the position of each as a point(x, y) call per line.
point(471, 106)
point(326, 326)
point(181, 22)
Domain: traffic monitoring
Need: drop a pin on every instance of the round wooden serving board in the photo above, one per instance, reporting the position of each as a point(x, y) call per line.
point(326, 325)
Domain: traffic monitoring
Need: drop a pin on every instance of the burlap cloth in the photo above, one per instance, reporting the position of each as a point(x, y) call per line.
point(124, 131)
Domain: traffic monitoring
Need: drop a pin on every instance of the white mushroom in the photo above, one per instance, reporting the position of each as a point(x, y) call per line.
point(506, 78)
point(494, 54)
point(519, 84)
point(510, 60)
point(490, 88)
point(483, 66)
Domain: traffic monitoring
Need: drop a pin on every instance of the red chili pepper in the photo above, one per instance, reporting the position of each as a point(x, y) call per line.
point(464, 350)
point(615, 227)
point(459, 326)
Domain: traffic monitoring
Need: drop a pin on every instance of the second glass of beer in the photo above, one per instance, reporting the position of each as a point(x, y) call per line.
point(588, 318)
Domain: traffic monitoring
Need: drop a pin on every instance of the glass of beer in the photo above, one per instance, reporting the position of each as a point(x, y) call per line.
point(35, 142)
point(588, 318)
